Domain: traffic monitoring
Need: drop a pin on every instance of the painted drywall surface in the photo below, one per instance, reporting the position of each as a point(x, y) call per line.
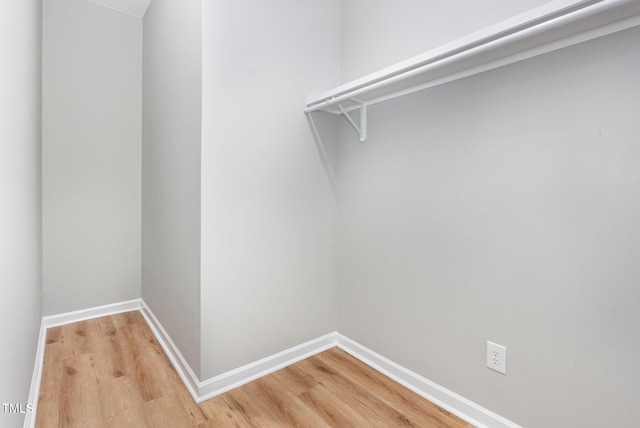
point(20, 232)
point(268, 254)
point(131, 7)
point(92, 73)
point(171, 170)
point(379, 33)
point(504, 207)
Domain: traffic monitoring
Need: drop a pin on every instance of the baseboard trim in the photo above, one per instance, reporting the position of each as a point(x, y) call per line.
point(181, 365)
point(201, 391)
point(36, 378)
point(96, 312)
point(250, 372)
point(437, 394)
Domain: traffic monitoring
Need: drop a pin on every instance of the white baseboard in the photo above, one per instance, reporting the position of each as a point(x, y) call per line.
point(36, 378)
point(245, 374)
point(437, 394)
point(181, 365)
point(201, 391)
point(86, 314)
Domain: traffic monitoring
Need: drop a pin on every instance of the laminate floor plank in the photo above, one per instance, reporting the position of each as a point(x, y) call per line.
point(50, 385)
point(296, 379)
point(110, 364)
point(260, 407)
point(80, 402)
point(293, 412)
point(376, 411)
point(220, 414)
point(165, 412)
point(420, 411)
point(164, 373)
point(334, 412)
point(111, 372)
point(65, 336)
point(121, 403)
point(150, 379)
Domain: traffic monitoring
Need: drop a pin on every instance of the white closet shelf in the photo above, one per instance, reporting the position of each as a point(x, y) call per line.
point(553, 26)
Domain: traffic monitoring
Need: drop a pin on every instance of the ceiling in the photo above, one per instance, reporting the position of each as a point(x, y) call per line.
point(130, 7)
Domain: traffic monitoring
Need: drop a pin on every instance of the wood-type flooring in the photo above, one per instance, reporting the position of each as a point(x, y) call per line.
point(111, 372)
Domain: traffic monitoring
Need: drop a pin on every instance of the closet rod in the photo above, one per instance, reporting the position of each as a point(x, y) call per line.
point(500, 35)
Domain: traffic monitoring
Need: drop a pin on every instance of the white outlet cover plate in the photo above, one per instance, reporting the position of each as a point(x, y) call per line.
point(497, 357)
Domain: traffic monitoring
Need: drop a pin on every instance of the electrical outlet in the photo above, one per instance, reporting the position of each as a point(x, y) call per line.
point(497, 357)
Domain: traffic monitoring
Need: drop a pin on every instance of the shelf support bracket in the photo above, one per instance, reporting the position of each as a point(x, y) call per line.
point(362, 129)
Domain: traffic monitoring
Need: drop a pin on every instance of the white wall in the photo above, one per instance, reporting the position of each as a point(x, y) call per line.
point(91, 155)
point(20, 232)
point(268, 250)
point(171, 170)
point(379, 33)
point(504, 207)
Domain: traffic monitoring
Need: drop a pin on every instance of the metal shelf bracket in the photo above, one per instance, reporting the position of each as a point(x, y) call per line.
point(362, 129)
